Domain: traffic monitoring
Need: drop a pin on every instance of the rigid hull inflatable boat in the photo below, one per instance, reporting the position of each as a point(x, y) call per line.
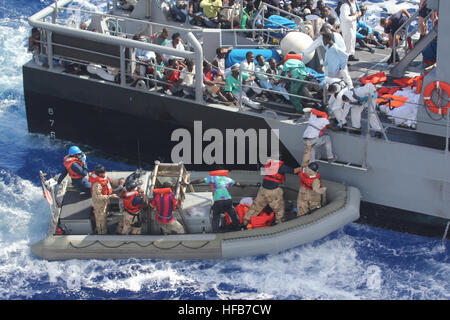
point(72, 213)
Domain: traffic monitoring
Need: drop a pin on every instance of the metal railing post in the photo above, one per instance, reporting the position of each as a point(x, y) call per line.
point(49, 50)
point(122, 66)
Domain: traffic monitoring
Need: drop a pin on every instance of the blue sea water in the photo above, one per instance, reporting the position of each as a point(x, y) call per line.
point(353, 263)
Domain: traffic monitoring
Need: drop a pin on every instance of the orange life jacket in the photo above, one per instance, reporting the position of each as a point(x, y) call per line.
point(67, 162)
point(307, 181)
point(411, 82)
point(128, 201)
point(162, 190)
point(240, 209)
point(223, 173)
point(392, 101)
point(320, 114)
point(263, 220)
point(104, 182)
point(271, 170)
point(374, 78)
point(292, 56)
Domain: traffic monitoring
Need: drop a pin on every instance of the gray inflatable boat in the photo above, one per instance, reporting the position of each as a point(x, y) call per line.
point(72, 214)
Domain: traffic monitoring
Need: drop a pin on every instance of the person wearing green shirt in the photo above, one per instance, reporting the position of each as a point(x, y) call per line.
point(232, 90)
point(295, 69)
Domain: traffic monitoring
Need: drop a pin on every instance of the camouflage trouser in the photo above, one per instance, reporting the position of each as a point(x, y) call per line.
point(125, 224)
point(307, 200)
point(273, 198)
point(100, 213)
point(171, 227)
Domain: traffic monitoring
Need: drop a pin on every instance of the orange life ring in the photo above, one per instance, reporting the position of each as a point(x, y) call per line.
point(427, 97)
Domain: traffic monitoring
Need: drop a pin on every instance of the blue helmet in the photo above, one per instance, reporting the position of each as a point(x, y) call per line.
point(74, 150)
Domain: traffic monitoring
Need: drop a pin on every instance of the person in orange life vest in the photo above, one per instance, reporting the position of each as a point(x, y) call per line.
point(311, 190)
point(165, 203)
point(102, 192)
point(314, 133)
point(75, 166)
point(270, 193)
point(133, 200)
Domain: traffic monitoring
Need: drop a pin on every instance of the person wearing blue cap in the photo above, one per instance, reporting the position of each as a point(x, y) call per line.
point(75, 166)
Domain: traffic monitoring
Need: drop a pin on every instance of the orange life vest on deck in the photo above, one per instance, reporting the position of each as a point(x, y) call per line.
point(104, 182)
point(67, 162)
point(240, 209)
point(374, 78)
point(128, 201)
point(306, 180)
point(263, 220)
point(411, 82)
point(292, 56)
point(271, 170)
point(391, 100)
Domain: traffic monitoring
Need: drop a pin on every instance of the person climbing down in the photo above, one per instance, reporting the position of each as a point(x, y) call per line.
point(311, 189)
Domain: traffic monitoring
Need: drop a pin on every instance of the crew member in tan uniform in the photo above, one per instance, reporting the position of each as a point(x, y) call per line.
point(311, 190)
point(271, 193)
point(101, 190)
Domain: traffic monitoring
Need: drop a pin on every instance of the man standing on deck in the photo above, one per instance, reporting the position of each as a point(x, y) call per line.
point(348, 17)
point(271, 193)
point(101, 191)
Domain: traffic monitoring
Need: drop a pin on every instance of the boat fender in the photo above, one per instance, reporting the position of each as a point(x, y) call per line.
point(141, 85)
point(440, 85)
point(223, 173)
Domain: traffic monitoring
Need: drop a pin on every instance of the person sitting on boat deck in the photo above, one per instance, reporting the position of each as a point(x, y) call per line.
point(270, 193)
point(229, 15)
point(177, 44)
point(219, 59)
point(211, 9)
point(392, 24)
point(358, 99)
point(75, 166)
point(171, 76)
point(295, 69)
point(233, 91)
point(83, 26)
point(178, 10)
point(213, 80)
point(261, 69)
point(185, 82)
point(157, 69)
point(34, 46)
point(365, 34)
point(335, 26)
point(311, 190)
point(277, 83)
point(247, 66)
point(314, 134)
point(102, 192)
point(348, 16)
point(165, 203)
point(335, 62)
point(134, 199)
point(248, 14)
point(162, 37)
point(220, 183)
